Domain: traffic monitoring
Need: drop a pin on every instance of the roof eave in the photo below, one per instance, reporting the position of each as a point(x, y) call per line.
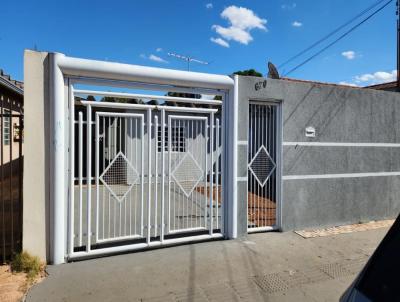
point(11, 86)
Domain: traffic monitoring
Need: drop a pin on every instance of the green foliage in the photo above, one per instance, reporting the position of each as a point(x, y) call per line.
point(120, 100)
point(249, 72)
point(91, 98)
point(24, 262)
point(184, 95)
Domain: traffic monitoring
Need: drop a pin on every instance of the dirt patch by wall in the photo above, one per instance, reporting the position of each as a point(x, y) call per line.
point(13, 286)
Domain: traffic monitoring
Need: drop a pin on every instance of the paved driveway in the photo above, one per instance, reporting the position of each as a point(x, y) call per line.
point(261, 267)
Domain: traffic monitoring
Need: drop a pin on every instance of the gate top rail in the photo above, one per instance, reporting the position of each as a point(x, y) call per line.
point(118, 71)
point(148, 97)
point(143, 106)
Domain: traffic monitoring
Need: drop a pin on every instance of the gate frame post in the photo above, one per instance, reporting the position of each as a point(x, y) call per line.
point(57, 161)
point(231, 133)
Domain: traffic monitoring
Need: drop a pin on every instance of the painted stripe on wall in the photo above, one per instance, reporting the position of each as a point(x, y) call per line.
point(338, 144)
point(344, 175)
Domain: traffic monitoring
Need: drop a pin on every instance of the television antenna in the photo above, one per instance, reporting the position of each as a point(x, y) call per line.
point(187, 59)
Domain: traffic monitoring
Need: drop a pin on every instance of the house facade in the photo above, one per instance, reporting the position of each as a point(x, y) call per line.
point(11, 165)
point(107, 177)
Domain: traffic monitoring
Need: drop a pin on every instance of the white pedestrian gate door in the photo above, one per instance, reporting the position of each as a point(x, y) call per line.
point(263, 206)
point(143, 176)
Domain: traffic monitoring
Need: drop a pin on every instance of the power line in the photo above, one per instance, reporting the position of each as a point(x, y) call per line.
point(338, 39)
point(331, 33)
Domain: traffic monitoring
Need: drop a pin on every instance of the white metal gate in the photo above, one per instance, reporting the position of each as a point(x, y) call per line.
point(263, 204)
point(143, 176)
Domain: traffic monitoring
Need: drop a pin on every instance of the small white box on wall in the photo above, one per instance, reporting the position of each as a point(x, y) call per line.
point(310, 132)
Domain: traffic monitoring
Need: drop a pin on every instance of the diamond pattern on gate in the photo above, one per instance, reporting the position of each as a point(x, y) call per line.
point(115, 176)
point(262, 166)
point(187, 174)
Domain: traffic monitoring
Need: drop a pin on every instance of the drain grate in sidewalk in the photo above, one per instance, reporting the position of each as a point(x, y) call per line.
point(335, 270)
point(271, 283)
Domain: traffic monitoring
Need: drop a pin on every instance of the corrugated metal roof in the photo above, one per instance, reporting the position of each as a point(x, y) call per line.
point(7, 81)
point(383, 86)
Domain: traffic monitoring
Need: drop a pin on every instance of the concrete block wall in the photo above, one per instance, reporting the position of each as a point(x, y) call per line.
point(36, 150)
point(354, 175)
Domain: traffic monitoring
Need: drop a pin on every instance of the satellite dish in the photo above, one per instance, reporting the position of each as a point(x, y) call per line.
point(272, 71)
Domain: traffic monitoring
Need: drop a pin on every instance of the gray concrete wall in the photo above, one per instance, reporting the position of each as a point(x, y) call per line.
point(36, 150)
point(339, 115)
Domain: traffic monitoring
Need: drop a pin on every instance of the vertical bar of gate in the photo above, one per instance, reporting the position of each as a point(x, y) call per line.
point(97, 159)
point(89, 174)
point(149, 124)
point(206, 128)
point(261, 142)
point(156, 176)
point(279, 166)
point(20, 189)
point(211, 171)
point(103, 167)
point(269, 137)
point(126, 154)
point(142, 180)
point(222, 179)
point(120, 150)
point(11, 176)
point(191, 140)
point(216, 172)
point(249, 175)
point(162, 173)
point(255, 148)
point(176, 141)
point(80, 154)
point(169, 172)
point(71, 167)
point(137, 165)
point(114, 140)
point(271, 117)
point(195, 154)
point(109, 149)
point(132, 184)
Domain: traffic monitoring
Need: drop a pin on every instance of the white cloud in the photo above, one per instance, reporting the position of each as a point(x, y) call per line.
point(350, 55)
point(220, 41)
point(234, 33)
point(348, 84)
point(367, 79)
point(153, 58)
point(241, 20)
point(159, 49)
point(157, 59)
point(209, 5)
point(289, 6)
point(377, 77)
point(297, 24)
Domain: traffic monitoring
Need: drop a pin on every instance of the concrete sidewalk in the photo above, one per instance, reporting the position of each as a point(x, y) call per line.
point(262, 267)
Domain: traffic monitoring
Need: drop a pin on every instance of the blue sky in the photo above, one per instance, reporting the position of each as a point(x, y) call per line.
point(143, 32)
